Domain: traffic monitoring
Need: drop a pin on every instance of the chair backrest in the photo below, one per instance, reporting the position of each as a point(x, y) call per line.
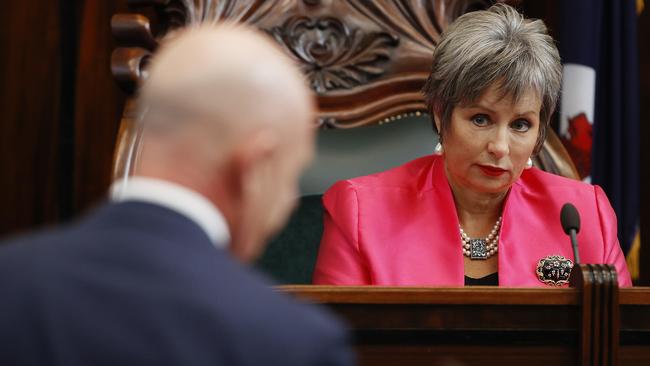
point(291, 256)
point(366, 62)
point(345, 154)
point(342, 154)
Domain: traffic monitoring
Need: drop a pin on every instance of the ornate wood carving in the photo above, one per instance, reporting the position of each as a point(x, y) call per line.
point(366, 60)
point(333, 55)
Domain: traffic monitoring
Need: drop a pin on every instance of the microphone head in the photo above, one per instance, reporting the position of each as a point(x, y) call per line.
point(570, 218)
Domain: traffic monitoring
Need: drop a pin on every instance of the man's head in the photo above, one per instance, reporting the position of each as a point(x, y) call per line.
point(227, 114)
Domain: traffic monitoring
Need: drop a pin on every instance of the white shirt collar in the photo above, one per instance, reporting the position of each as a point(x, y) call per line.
point(177, 198)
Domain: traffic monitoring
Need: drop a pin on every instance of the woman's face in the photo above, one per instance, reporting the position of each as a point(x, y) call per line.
point(489, 141)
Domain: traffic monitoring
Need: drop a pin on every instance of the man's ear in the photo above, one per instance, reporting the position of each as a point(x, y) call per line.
point(251, 157)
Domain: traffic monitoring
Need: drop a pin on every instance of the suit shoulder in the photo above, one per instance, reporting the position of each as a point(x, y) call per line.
point(32, 251)
point(251, 312)
point(250, 289)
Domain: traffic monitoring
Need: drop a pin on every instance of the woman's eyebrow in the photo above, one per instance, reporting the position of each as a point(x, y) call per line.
point(526, 113)
point(479, 106)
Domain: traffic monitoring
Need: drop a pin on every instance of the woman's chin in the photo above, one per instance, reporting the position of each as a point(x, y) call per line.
point(492, 185)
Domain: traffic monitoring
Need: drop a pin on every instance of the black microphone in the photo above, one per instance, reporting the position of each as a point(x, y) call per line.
point(571, 224)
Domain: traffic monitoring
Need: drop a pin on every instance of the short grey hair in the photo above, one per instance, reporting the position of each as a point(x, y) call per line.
point(499, 47)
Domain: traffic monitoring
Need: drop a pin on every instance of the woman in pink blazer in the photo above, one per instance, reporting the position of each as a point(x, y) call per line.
point(475, 212)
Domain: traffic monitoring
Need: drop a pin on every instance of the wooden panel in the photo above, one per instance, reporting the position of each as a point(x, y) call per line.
point(456, 326)
point(491, 325)
point(635, 326)
point(60, 109)
point(635, 355)
point(98, 104)
point(30, 97)
point(426, 295)
point(465, 356)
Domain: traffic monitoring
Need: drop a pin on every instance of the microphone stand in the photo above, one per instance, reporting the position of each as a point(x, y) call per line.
point(574, 244)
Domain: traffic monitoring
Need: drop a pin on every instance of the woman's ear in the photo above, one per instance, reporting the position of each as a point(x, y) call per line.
point(436, 121)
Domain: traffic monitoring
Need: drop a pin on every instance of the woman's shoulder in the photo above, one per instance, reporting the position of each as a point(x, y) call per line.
point(555, 187)
point(535, 177)
point(405, 176)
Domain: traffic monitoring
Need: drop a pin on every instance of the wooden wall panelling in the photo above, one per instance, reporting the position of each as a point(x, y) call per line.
point(60, 108)
point(30, 98)
point(98, 104)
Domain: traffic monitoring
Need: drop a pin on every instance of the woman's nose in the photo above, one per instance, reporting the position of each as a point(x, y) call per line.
point(498, 145)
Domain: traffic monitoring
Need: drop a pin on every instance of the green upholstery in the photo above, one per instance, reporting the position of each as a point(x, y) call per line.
point(291, 256)
point(342, 154)
point(349, 153)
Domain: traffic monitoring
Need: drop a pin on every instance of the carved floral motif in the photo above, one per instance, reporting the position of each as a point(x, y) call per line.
point(333, 55)
point(367, 60)
point(187, 12)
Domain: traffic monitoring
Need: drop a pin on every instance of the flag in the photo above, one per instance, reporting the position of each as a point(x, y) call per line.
point(599, 106)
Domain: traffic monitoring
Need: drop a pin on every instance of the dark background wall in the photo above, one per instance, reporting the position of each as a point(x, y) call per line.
point(31, 103)
point(644, 64)
point(61, 109)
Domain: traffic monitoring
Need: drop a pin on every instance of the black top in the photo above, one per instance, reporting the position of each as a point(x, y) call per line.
point(489, 280)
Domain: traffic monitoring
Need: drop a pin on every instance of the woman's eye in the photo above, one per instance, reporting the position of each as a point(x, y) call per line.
point(520, 125)
point(480, 120)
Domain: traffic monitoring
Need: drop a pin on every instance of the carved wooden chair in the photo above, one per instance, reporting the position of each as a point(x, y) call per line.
point(365, 60)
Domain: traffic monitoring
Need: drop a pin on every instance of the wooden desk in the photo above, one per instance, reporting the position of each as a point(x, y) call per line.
point(634, 326)
point(481, 325)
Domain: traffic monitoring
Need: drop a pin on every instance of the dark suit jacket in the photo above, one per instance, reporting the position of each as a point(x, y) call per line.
point(138, 284)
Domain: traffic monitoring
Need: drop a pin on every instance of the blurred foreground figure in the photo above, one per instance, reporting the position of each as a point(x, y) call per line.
point(150, 278)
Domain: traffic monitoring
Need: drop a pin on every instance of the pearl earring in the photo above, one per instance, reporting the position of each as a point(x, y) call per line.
point(438, 150)
point(529, 163)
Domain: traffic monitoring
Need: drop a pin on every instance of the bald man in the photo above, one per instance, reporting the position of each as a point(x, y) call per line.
point(157, 276)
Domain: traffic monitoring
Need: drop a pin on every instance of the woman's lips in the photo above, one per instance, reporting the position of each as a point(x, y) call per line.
point(492, 171)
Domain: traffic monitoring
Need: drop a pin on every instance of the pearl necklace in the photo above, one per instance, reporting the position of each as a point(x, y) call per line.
point(481, 248)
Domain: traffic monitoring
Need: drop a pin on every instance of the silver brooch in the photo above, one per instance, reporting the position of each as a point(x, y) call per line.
point(554, 270)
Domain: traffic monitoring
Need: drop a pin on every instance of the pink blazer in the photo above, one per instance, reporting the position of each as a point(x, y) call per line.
point(400, 228)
